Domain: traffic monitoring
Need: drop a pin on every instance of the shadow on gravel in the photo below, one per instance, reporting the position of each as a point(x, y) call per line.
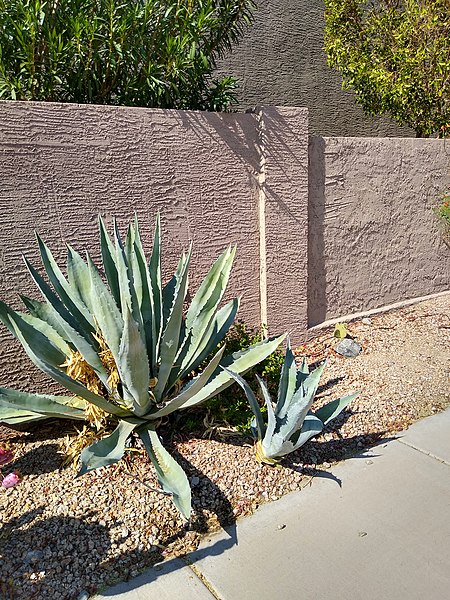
point(44, 459)
point(59, 556)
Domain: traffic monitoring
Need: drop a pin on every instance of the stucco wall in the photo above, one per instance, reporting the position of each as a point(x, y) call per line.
point(373, 238)
point(348, 230)
point(62, 164)
point(281, 61)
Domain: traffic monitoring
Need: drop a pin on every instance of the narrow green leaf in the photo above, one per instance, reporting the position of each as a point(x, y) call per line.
point(215, 333)
point(109, 261)
point(254, 404)
point(333, 408)
point(171, 476)
point(189, 390)
point(45, 405)
point(79, 278)
point(108, 450)
point(288, 379)
point(133, 366)
point(154, 269)
point(105, 311)
point(59, 307)
point(171, 335)
point(271, 419)
point(62, 287)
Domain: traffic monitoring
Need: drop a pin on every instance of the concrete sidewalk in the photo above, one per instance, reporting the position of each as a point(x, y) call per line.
point(384, 534)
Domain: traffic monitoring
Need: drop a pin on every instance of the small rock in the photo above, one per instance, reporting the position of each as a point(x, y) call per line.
point(32, 556)
point(348, 348)
point(83, 595)
point(125, 533)
point(362, 533)
point(282, 526)
point(369, 462)
point(367, 321)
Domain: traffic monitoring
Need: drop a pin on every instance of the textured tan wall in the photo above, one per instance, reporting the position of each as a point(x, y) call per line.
point(281, 61)
point(361, 237)
point(62, 165)
point(373, 238)
point(285, 150)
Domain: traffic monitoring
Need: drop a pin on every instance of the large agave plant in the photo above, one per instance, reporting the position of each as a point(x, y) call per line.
point(125, 348)
point(290, 423)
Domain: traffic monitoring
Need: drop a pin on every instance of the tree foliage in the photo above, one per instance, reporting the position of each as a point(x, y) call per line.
point(395, 55)
point(129, 52)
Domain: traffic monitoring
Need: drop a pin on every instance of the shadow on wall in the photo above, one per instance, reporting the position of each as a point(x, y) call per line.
point(317, 300)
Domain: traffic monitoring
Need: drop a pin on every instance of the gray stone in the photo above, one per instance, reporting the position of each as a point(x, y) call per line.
point(348, 348)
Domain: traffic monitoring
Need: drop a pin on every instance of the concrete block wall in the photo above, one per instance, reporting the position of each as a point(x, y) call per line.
point(324, 226)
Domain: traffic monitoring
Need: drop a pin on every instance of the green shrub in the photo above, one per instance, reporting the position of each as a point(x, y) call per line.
point(231, 407)
point(135, 53)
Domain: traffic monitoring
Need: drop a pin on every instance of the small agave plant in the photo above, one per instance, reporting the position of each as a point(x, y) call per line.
point(125, 348)
point(290, 423)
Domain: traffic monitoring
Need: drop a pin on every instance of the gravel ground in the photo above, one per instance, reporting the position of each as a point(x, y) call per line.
point(62, 536)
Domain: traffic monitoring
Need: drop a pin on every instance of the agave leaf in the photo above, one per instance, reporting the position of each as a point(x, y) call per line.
point(105, 311)
point(171, 476)
point(302, 373)
point(146, 299)
point(24, 330)
point(189, 390)
point(128, 296)
point(215, 333)
point(87, 351)
point(59, 307)
point(171, 335)
point(42, 404)
point(109, 261)
point(209, 294)
point(296, 414)
point(47, 330)
point(23, 417)
point(288, 380)
point(240, 363)
point(108, 450)
point(133, 367)
point(258, 425)
point(79, 277)
point(204, 305)
point(333, 408)
point(304, 395)
point(311, 426)
point(154, 270)
point(45, 312)
point(47, 358)
point(271, 419)
point(62, 287)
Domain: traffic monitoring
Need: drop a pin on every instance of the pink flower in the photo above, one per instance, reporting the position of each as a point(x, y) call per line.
point(11, 480)
point(6, 456)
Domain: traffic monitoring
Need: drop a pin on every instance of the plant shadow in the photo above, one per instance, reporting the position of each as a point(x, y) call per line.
point(61, 556)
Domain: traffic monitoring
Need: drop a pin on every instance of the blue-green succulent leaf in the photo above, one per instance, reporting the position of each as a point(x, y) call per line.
point(108, 450)
point(133, 366)
point(259, 425)
point(288, 380)
point(331, 410)
point(109, 261)
point(171, 476)
point(12, 402)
